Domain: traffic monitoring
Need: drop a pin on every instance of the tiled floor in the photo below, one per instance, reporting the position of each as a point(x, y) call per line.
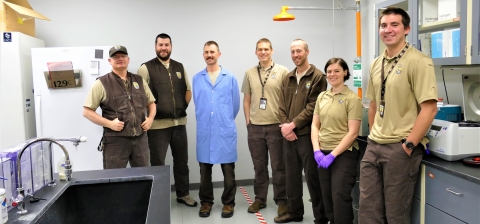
point(181, 214)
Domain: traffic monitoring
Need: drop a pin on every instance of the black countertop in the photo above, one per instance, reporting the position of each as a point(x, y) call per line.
point(159, 205)
point(456, 168)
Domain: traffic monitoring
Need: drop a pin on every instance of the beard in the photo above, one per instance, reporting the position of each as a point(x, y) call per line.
point(163, 58)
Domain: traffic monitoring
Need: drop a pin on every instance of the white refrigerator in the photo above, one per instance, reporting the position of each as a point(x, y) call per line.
point(17, 116)
point(59, 111)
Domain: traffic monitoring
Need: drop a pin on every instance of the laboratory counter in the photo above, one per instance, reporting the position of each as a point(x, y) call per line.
point(456, 168)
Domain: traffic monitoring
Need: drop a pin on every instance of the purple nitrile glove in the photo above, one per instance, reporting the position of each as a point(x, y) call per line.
point(426, 150)
point(327, 161)
point(318, 156)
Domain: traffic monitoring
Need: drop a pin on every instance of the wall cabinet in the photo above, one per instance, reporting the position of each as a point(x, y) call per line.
point(476, 32)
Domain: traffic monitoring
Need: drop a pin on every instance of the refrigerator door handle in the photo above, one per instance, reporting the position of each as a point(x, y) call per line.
point(38, 113)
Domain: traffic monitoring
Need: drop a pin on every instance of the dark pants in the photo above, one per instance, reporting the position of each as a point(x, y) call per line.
point(337, 182)
point(298, 155)
point(263, 139)
point(119, 150)
point(158, 140)
point(387, 181)
point(229, 185)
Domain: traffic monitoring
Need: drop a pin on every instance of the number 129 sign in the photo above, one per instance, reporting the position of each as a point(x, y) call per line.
point(60, 83)
point(62, 79)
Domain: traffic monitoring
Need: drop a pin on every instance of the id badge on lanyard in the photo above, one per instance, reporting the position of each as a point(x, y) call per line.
point(263, 103)
point(382, 108)
point(263, 100)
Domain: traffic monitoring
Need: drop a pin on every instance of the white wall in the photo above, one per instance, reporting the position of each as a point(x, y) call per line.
point(235, 25)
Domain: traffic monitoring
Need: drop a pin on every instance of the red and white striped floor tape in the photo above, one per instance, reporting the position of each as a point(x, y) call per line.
point(258, 214)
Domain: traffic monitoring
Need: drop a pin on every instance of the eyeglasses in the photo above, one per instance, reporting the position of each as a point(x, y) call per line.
point(122, 56)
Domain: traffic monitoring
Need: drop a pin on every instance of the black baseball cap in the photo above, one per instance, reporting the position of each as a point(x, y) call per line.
point(116, 49)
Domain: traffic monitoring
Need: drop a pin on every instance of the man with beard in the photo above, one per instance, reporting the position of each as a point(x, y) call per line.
point(300, 89)
point(169, 84)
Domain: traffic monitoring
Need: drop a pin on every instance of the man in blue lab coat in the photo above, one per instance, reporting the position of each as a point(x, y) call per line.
point(217, 101)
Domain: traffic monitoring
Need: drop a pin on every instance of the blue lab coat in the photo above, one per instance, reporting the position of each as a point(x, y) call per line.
point(216, 107)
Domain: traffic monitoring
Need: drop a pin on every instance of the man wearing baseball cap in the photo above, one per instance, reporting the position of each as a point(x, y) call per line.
point(123, 98)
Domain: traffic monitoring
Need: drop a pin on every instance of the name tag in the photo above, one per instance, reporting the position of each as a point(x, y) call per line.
point(263, 103)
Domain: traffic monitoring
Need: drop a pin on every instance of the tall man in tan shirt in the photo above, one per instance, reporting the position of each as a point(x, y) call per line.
point(169, 84)
point(261, 88)
point(389, 168)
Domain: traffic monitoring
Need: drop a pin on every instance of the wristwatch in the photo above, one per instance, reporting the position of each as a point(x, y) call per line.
point(408, 144)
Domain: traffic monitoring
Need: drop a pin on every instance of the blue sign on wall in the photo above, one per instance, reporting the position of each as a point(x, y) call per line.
point(7, 37)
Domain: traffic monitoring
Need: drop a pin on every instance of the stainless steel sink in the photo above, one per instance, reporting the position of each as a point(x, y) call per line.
point(131, 195)
point(122, 202)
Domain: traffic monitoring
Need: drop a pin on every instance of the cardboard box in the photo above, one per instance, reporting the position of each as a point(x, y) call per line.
point(18, 16)
point(448, 9)
point(428, 11)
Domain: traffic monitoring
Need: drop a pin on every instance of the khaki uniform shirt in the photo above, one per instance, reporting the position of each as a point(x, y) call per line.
point(97, 94)
point(213, 76)
point(167, 122)
point(334, 111)
point(252, 86)
point(410, 83)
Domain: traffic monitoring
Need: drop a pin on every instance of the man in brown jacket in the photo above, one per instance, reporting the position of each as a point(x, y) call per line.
point(300, 89)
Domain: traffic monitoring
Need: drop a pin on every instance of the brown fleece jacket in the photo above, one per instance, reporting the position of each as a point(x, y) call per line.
point(297, 101)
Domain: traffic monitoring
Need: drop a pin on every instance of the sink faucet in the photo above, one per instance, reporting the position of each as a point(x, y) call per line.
point(68, 167)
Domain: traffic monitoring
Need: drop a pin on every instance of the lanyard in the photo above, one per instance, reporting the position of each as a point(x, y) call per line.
point(266, 77)
point(384, 79)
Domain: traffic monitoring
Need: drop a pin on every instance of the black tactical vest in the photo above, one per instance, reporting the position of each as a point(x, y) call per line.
point(168, 87)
